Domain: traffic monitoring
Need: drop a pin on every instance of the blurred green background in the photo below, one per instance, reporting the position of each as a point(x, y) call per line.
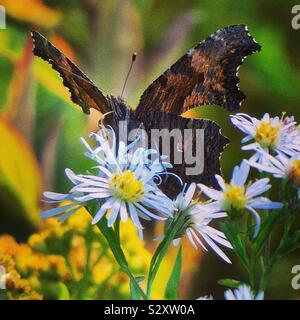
point(40, 127)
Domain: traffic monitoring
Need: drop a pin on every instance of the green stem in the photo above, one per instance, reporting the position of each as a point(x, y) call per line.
point(162, 250)
point(117, 230)
point(118, 253)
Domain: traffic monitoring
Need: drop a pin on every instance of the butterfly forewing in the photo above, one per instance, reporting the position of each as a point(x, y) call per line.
point(205, 75)
point(83, 91)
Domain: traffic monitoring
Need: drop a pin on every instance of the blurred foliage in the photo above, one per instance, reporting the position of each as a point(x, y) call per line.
point(40, 127)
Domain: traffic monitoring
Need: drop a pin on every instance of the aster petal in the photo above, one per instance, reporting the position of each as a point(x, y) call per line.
point(220, 181)
point(56, 196)
point(209, 208)
point(260, 296)
point(258, 187)
point(247, 138)
point(217, 236)
point(217, 250)
point(190, 238)
point(229, 295)
point(257, 220)
point(102, 211)
point(195, 236)
point(134, 216)
point(240, 174)
point(113, 213)
point(91, 178)
point(56, 211)
point(67, 214)
point(71, 175)
point(264, 203)
point(123, 212)
point(211, 193)
point(190, 193)
point(148, 213)
point(100, 189)
point(159, 206)
point(92, 196)
point(251, 146)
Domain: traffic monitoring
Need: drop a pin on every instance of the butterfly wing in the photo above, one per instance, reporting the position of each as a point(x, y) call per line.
point(195, 148)
point(83, 90)
point(205, 75)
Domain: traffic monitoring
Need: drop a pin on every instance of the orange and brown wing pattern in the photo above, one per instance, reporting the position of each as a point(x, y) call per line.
point(205, 75)
point(82, 89)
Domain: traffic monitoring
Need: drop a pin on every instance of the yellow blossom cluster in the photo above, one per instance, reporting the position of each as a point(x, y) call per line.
point(75, 255)
point(16, 288)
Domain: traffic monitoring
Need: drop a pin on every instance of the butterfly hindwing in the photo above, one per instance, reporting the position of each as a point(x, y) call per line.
point(206, 164)
point(205, 75)
point(82, 89)
point(198, 152)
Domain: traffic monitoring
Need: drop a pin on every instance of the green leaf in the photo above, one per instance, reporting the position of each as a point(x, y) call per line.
point(64, 293)
point(236, 240)
point(265, 230)
point(111, 238)
point(230, 283)
point(173, 283)
point(117, 251)
point(134, 294)
point(55, 291)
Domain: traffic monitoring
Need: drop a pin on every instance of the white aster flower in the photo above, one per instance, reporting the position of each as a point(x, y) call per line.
point(274, 135)
point(124, 185)
point(238, 196)
point(198, 218)
point(282, 167)
point(243, 292)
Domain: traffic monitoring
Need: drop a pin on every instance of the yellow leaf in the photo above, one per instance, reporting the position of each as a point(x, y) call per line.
point(19, 82)
point(50, 79)
point(19, 171)
point(32, 11)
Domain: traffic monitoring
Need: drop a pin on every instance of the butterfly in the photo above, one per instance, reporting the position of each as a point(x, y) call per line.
point(205, 75)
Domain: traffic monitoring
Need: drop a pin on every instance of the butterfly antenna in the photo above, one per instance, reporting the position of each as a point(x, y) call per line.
point(128, 73)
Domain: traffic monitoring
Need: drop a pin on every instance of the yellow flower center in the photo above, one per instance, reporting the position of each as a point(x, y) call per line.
point(294, 172)
point(126, 187)
point(235, 197)
point(267, 134)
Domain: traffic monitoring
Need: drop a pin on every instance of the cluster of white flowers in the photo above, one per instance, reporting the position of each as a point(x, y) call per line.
point(125, 185)
point(276, 145)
